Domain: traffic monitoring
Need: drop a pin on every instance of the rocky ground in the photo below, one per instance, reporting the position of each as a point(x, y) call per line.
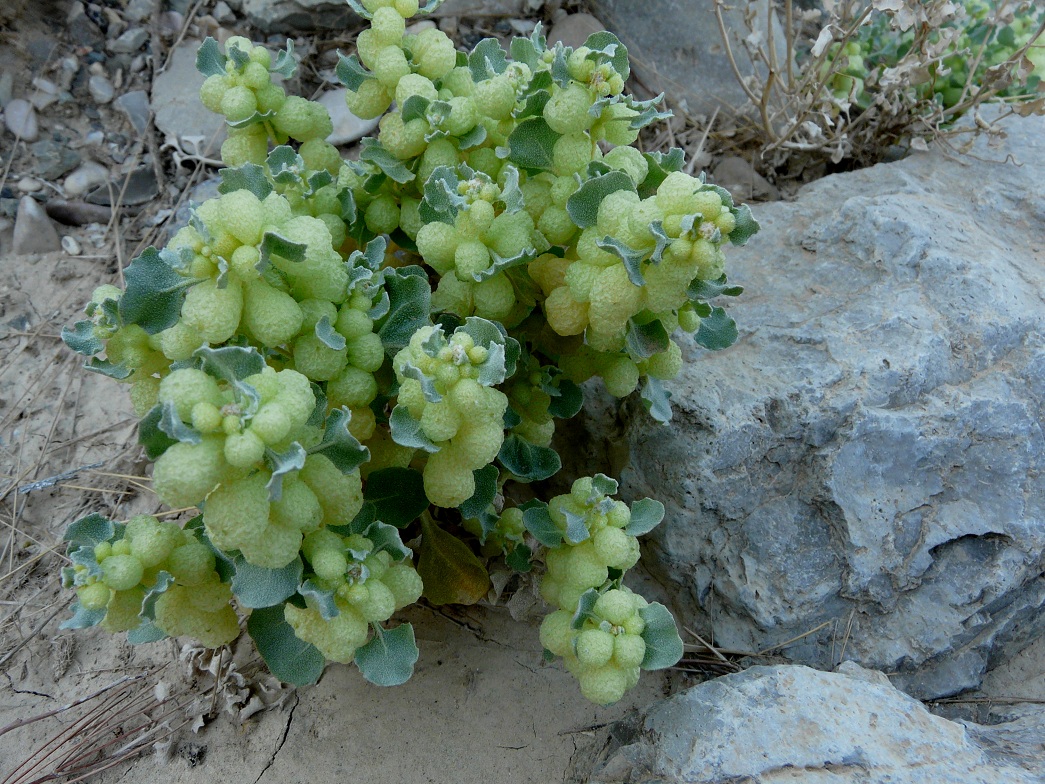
point(102, 146)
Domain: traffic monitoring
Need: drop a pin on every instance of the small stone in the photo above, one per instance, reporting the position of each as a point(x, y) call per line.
point(138, 63)
point(101, 89)
point(223, 14)
point(136, 188)
point(29, 185)
point(347, 127)
point(87, 176)
point(130, 41)
point(140, 10)
point(135, 105)
point(176, 106)
point(171, 23)
point(574, 29)
point(45, 94)
point(34, 232)
point(71, 246)
point(20, 119)
point(416, 27)
point(77, 213)
point(94, 138)
point(7, 84)
point(70, 66)
point(522, 26)
point(740, 178)
point(53, 160)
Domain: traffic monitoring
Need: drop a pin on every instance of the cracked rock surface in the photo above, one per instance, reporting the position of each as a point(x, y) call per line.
point(868, 455)
point(769, 725)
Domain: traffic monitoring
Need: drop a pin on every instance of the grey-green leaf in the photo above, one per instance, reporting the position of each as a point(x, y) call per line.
point(656, 400)
point(632, 258)
point(151, 436)
point(154, 293)
point(230, 363)
point(528, 462)
point(540, 524)
point(585, 605)
point(82, 619)
point(583, 205)
point(397, 495)
point(389, 658)
point(406, 431)
point(372, 152)
point(410, 302)
point(285, 64)
point(281, 464)
point(485, 490)
point(329, 336)
point(210, 61)
point(81, 338)
point(170, 423)
point(487, 60)
point(248, 177)
point(256, 586)
point(289, 658)
point(645, 340)
point(532, 144)
point(340, 446)
point(663, 644)
point(90, 530)
point(746, 225)
point(646, 515)
point(273, 244)
point(717, 331)
point(322, 598)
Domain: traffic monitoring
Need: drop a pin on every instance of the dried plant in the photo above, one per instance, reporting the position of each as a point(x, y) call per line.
point(861, 78)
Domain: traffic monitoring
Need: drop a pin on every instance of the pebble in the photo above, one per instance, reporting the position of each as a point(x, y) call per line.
point(71, 246)
point(171, 23)
point(101, 89)
point(138, 63)
point(20, 119)
point(7, 84)
point(34, 232)
point(573, 30)
point(141, 10)
point(223, 14)
point(416, 27)
point(130, 41)
point(70, 66)
point(137, 187)
point(77, 213)
point(89, 175)
point(53, 160)
point(135, 105)
point(45, 94)
point(347, 127)
point(29, 185)
point(739, 177)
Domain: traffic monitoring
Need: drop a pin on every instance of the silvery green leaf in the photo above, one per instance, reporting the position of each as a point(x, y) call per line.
point(606, 47)
point(281, 464)
point(322, 598)
point(414, 108)
point(429, 6)
point(350, 72)
point(539, 523)
point(501, 263)
point(348, 206)
point(328, 336)
point(441, 200)
point(709, 289)
point(473, 138)
point(289, 658)
point(645, 340)
point(663, 644)
point(106, 368)
point(663, 240)
point(230, 363)
point(272, 244)
point(427, 384)
point(339, 445)
point(534, 102)
point(492, 371)
point(528, 462)
point(371, 151)
point(568, 402)
point(81, 338)
point(386, 537)
point(656, 400)
point(151, 437)
point(511, 193)
point(209, 58)
point(406, 431)
point(285, 63)
point(239, 57)
point(358, 7)
point(576, 528)
point(604, 485)
point(485, 490)
point(396, 494)
point(583, 205)
point(319, 411)
point(170, 423)
point(646, 515)
point(154, 292)
point(82, 619)
point(717, 331)
point(560, 70)
point(410, 303)
point(746, 225)
point(585, 607)
point(389, 658)
point(164, 580)
point(84, 557)
point(661, 164)
point(285, 165)
point(256, 586)
point(532, 144)
point(487, 60)
point(254, 119)
point(632, 258)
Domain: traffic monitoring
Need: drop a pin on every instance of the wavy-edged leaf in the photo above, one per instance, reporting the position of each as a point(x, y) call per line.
point(82, 619)
point(645, 340)
point(717, 331)
point(371, 151)
point(583, 205)
point(487, 60)
point(397, 495)
point(709, 289)
point(518, 560)
point(272, 244)
point(170, 423)
point(248, 177)
point(532, 144)
point(528, 462)
point(606, 47)
point(230, 363)
point(90, 530)
point(539, 523)
point(81, 338)
point(585, 607)
point(406, 431)
point(568, 402)
point(485, 490)
point(329, 336)
point(473, 138)
point(256, 586)
point(746, 226)
point(631, 257)
point(488, 334)
point(151, 436)
point(656, 400)
point(410, 304)
point(106, 368)
point(339, 445)
point(389, 658)
point(289, 658)
point(322, 598)
point(210, 61)
point(386, 537)
point(255, 119)
point(451, 572)
point(154, 292)
point(441, 200)
point(663, 644)
point(282, 463)
point(646, 515)
point(285, 64)
point(661, 164)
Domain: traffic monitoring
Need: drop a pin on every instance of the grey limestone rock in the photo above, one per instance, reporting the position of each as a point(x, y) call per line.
point(280, 16)
point(33, 230)
point(770, 725)
point(869, 454)
point(176, 106)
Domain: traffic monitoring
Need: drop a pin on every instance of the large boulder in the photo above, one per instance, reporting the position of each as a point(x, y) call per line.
point(869, 455)
point(771, 725)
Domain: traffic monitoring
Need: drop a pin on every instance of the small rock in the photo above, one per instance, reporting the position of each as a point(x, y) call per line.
point(87, 176)
point(130, 41)
point(417, 27)
point(137, 188)
point(53, 160)
point(70, 66)
point(140, 10)
point(347, 127)
point(171, 23)
point(574, 29)
point(34, 232)
point(135, 105)
point(7, 83)
point(45, 94)
point(81, 29)
point(101, 89)
point(522, 26)
point(223, 14)
point(138, 63)
point(29, 185)
point(77, 213)
point(71, 246)
point(176, 104)
point(740, 178)
point(20, 119)
point(208, 189)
